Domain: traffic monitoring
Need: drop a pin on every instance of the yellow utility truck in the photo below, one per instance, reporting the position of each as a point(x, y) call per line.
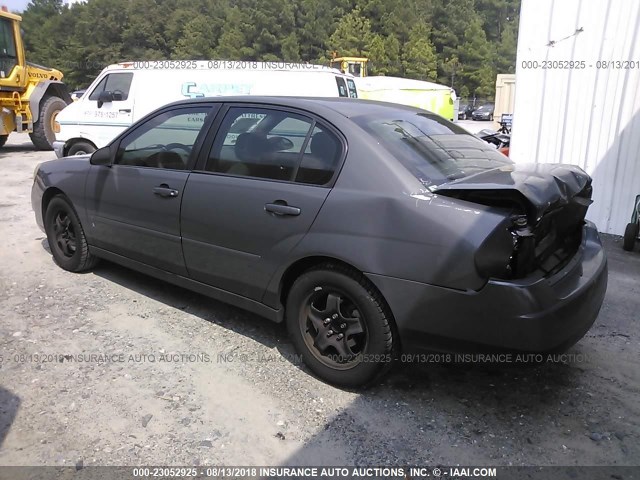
point(356, 66)
point(30, 95)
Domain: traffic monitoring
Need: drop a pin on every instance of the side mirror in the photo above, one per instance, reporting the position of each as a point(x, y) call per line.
point(102, 156)
point(105, 97)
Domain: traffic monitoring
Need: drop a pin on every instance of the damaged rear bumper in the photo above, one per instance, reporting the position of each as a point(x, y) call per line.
point(533, 314)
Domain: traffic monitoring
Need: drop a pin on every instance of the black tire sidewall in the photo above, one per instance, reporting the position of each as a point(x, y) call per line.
point(630, 236)
point(56, 205)
point(84, 146)
point(377, 326)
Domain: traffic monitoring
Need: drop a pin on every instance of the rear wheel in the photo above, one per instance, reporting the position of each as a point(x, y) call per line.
point(630, 236)
point(340, 325)
point(66, 237)
point(44, 134)
point(3, 140)
point(81, 148)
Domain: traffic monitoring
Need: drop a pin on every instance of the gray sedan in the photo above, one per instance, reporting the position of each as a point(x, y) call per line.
point(373, 230)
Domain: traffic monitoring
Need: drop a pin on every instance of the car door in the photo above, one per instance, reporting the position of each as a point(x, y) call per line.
point(259, 185)
point(103, 120)
point(134, 204)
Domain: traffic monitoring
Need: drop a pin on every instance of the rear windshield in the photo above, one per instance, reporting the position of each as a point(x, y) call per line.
point(433, 149)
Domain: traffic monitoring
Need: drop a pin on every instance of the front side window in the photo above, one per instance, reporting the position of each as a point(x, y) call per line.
point(165, 141)
point(8, 54)
point(434, 150)
point(342, 87)
point(116, 83)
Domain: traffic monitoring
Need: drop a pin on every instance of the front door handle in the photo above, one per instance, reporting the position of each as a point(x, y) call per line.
point(281, 208)
point(165, 191)
point(124, 110)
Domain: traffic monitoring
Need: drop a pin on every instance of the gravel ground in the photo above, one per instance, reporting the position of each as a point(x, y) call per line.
point(179, 379)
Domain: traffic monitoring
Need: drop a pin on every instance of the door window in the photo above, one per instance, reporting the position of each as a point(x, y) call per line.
point(165, 141)
point(8, 56)
point(261, 143)
point(117, 83)
point(342, 87)
point(320, 159)
point(353, 92)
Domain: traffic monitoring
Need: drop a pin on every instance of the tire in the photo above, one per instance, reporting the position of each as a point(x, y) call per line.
point(81, 148)
point(630, 236)
point(346, 304)
point(3, 140)
point(66, 237)
point(43, 134)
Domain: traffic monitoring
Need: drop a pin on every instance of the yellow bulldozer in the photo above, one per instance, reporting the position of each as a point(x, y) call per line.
point(30, 95)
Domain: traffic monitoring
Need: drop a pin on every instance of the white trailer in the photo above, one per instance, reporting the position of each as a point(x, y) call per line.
point(578, 97)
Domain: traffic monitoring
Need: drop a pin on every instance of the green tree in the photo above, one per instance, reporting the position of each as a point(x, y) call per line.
point(419, 58)
point(353, 36)
point(197, 41)
point(477, 56)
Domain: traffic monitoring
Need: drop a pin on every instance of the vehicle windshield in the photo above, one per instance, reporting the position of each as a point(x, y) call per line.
point(433, 149)
point(485, 107)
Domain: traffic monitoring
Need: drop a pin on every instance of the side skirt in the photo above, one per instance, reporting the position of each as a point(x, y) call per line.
point(199, 287)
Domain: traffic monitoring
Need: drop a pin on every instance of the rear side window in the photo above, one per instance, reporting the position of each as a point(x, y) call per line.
point(342, 87)
point(275, 145)
point(353, 91)
point(115, 83)
point(263, 143)
point(320, 158)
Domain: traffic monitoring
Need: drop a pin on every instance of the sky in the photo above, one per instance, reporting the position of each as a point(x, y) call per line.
point(20, 5)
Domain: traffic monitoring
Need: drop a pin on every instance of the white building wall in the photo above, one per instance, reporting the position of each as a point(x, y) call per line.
point(583, 116)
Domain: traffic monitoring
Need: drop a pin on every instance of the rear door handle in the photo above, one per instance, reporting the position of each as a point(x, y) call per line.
point(281, 208)
point(125, 110)
point(165, 191)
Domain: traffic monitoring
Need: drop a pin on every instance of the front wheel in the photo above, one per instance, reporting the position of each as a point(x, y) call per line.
point(3, 140)
point(340, 325)
point(81, 148)
point(66, 237)
point(630, 236)
point(44, 133)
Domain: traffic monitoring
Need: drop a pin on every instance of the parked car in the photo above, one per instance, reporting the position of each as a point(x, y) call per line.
point(370, 228)
point(125, 92)
point(465, 111)
point(483, 112)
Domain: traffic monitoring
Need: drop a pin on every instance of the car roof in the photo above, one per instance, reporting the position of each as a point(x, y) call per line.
point(348, 107)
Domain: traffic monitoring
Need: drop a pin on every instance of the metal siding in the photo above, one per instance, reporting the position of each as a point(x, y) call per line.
point(589, 117)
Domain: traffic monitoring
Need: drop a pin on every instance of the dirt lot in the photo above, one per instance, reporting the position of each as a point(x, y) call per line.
point(158, 390)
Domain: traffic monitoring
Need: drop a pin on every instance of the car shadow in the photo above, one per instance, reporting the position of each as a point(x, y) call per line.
point(10, 148)
point(480, 381)
point(208, 309)
point(9, 405)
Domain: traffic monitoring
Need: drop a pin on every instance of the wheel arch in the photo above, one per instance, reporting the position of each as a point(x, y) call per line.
point(50, 87)
point(300, 266)
point(72, 141)
point(48, 195)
